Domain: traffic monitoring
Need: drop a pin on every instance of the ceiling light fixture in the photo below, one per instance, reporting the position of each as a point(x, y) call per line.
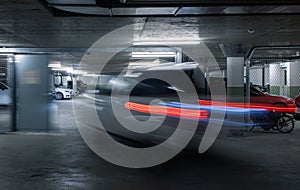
point(251, 31)
point(152, 54)
point(66, 69)
point(168, 42)
point(54, 65)
point(92, 75)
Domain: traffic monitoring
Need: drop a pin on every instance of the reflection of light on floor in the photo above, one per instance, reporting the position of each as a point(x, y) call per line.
point(4, 117)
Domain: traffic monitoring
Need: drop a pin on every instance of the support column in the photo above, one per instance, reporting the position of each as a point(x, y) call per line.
point(235, 79)
point(32, 89)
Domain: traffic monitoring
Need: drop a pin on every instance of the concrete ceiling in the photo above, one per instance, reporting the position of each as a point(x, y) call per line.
point(28, 23)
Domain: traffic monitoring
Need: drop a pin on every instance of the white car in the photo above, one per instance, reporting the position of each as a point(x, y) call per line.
point(62, 93)
point(5, 98)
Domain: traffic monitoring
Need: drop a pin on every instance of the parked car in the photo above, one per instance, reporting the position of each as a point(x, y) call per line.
point(5, 98)
point(297, 100)
point(60, 93)
point(257, 96)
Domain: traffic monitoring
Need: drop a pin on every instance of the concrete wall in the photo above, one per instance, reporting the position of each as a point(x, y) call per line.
point(294, 78)
point(275, 78)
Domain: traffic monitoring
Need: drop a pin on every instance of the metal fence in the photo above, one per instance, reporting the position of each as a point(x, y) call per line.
point(277, 77)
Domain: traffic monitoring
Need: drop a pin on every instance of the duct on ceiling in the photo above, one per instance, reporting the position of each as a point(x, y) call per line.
point(168, 7)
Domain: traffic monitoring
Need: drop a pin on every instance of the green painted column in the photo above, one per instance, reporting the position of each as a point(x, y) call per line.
point(235, 91)
point(235, 79)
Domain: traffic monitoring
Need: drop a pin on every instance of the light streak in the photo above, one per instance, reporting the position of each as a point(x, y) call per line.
point(168, 111)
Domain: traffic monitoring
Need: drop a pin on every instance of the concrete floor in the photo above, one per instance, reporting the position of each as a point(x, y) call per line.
point(61, 160)
point(4, 118)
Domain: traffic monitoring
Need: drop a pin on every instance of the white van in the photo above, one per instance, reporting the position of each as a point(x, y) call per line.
point(62, 93)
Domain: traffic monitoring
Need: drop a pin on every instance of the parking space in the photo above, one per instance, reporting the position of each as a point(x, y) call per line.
point(61, 160)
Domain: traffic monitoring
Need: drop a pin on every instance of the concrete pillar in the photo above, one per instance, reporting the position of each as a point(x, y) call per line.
point(32, 89)
point(74, 79)
point(267, 74)
point(235, 79)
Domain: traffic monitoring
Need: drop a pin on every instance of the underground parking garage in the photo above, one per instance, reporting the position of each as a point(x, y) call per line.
point(153, 94)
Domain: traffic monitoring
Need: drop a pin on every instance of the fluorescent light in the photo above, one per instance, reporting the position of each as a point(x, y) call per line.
point(10, 60)
point(92, 75)
point(153, 54)
point(52, 65)
point(78, 72)
point(132, 75)
point(168, 42)
point(6, 54)
point(67, 69)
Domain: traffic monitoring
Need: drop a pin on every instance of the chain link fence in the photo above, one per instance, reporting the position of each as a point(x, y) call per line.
point(277, 77)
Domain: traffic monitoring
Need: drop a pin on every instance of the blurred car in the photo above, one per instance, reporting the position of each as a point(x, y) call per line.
point(81, 87)
point(60, 93)
point(5, 98)
point(257, 96)
point(151, 96)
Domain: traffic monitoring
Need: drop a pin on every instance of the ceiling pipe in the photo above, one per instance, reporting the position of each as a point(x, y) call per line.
point(255, 48)
point(111, 8)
